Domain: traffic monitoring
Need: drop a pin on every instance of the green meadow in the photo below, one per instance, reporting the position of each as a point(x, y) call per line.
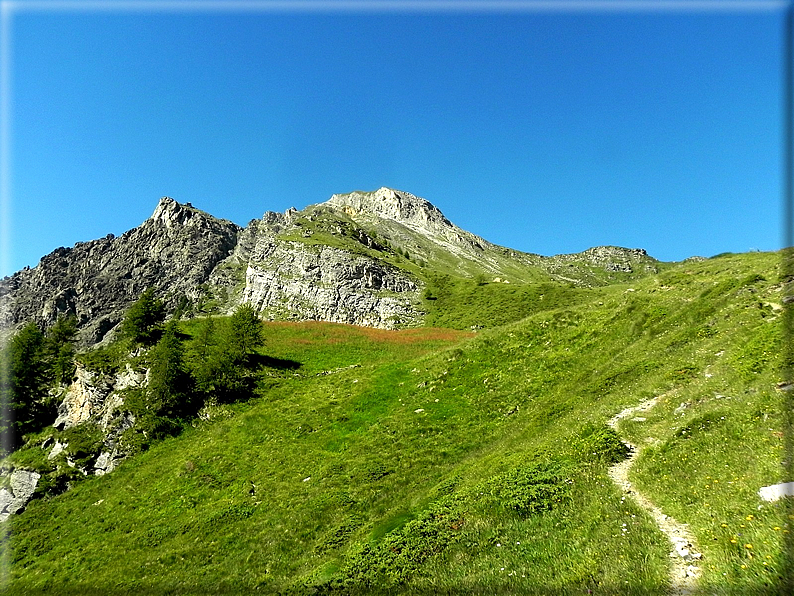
point(446, 460)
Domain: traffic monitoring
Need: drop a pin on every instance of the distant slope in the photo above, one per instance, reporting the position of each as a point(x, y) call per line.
point(417, 227)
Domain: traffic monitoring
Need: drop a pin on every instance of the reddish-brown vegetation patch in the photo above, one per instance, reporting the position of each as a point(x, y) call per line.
point(310, 332)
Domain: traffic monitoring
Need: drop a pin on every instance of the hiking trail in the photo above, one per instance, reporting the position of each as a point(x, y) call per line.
point(684, 571)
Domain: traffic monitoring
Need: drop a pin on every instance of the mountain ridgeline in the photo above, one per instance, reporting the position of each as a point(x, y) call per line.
point(365, 258)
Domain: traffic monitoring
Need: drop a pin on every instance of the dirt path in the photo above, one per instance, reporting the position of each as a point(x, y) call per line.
point(684, 570)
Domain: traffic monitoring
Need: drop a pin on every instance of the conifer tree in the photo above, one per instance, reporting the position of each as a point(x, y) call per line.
point(59, 348)
point(245, 333)
point(223, 357)
point(23, 392)
point(170, 389)
point(142, 321)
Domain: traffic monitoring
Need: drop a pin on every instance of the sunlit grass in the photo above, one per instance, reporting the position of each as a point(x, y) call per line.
point(414, 466)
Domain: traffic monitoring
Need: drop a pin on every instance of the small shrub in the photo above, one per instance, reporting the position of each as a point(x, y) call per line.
point(528, 489)
point(600, 443)
point(105, 360)
point(83, 442)
point(339, 535)
point(402, 551)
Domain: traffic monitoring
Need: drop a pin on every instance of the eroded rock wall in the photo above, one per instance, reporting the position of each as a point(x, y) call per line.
point(292, 280)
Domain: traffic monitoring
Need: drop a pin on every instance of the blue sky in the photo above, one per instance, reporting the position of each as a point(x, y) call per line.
point(545, 131)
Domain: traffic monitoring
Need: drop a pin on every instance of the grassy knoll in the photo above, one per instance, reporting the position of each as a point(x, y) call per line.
point(447, 463)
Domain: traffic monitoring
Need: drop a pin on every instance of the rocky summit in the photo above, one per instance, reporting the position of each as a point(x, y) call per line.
point(361, 258)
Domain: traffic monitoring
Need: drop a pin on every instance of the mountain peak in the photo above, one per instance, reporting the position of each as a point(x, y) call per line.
point(389, 203)
point(175, 215)
point(170, 213)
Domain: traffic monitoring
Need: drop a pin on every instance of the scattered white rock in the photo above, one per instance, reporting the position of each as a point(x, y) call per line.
point(692, 571)
point(777, 491)
point(107, 462)
point(56, 449)
point(419, 411)
point(13, 499)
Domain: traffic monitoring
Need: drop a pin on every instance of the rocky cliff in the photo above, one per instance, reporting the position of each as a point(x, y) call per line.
point(183, 252)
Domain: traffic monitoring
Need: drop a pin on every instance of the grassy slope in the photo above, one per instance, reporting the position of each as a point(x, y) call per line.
point(446, 463)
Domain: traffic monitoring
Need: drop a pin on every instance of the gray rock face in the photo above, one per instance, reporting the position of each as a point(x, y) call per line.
point(291, 280)
point(93, 397)
point(107, 461)
point(396, 205)
point(174, 251)
point(613, 258)
point(181, 251)
point(22, 485)
point(405, 217)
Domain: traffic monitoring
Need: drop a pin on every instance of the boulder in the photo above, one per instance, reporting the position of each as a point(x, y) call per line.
point(22, 485)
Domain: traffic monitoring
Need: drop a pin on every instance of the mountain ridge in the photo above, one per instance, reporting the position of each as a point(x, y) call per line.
point(361, 258)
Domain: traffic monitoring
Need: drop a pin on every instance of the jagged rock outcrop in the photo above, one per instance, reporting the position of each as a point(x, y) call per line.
point(97, 399)
point(291, 280)
point(174, 251)
point(92, 399)
point(418, 226)
point(396, 205)
point(613, 258)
